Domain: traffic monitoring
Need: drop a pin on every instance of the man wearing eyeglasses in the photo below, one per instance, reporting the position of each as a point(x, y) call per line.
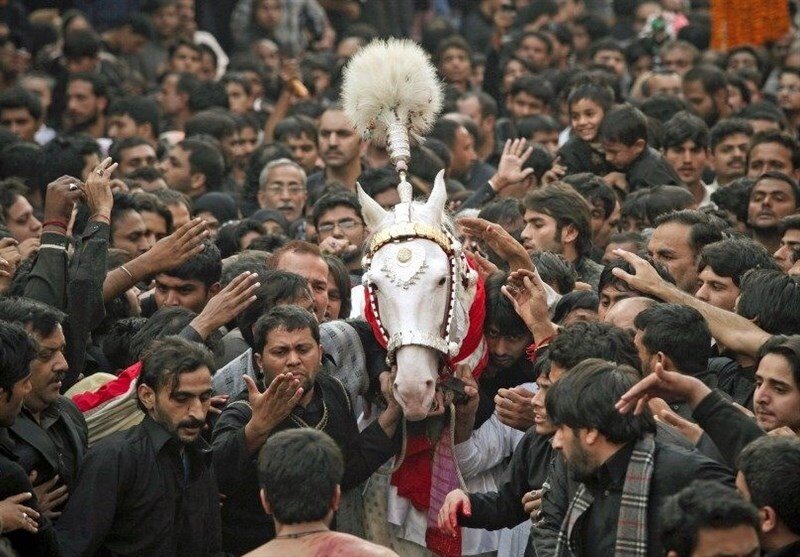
point(340, 229)
point(282, 186)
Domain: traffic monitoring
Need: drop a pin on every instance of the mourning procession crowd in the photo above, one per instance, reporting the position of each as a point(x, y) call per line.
point(192, 359)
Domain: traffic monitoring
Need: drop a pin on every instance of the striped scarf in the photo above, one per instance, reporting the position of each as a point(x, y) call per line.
point(632, 521)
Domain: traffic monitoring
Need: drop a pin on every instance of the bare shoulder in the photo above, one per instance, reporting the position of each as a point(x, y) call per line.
point(345, 545)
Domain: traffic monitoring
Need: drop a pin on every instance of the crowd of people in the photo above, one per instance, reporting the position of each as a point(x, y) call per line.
point(185, 363)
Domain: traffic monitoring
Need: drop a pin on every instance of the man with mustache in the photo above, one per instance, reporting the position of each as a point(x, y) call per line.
point(728, 141)
point(50, 435)
point(340, 147)
point(150, 490)
point(685, 145)
point(282, 186)
point(774, 196)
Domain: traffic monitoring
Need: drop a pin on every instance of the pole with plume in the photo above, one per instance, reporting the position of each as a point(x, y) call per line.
point(392, 95)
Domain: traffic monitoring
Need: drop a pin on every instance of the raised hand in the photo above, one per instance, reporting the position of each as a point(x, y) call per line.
point(662, 384)
point(97, 189)
point(60, 199)
point(499, 240)
point(227, 304)
point(16, 516)
point(645, 278)
point(30, 246)
point(177, 248)
point(270, 408)
point(484, 267)
point(556, 172)
point(9, 251)
point(509, 170)
point(664, 413)
point(526, 292)
point(456, 502)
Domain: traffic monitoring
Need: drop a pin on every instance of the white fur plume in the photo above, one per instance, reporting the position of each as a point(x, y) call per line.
point(391, 91)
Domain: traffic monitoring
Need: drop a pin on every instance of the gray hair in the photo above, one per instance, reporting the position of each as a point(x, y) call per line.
point(262, 178)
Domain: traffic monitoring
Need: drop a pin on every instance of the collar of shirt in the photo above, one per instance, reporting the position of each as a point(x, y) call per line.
point(6, 444)
point(47, 418)
point(162, 438)
point(612, 472)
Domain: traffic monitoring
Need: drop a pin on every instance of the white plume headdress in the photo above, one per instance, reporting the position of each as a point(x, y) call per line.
point(391, 93)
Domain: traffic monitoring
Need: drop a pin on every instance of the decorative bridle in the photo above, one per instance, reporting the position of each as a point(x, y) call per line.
point(404, 270)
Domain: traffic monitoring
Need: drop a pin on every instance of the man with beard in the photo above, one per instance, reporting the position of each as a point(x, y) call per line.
point(50, 435)
point(557, 219)
point(150, 490)
point(288, 351)
point(705, 89)
point(193, 167)
point(340, 229)
point(607, 460)
point(728, 141)
point(282, 186)
point(774, 196)
point(685, 145)
point(87, 99)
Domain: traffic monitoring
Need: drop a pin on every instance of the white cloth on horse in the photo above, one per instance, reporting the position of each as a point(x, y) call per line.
point(481, 460)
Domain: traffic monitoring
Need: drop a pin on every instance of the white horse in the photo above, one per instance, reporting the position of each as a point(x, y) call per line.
point(420, 291)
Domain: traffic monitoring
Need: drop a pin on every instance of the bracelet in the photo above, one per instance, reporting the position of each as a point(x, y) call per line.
point(127, 272)
point(55, 222)
point(99, 216)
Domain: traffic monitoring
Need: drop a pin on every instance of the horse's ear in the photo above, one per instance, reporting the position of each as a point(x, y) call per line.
point(372, 212)
point(438, 197)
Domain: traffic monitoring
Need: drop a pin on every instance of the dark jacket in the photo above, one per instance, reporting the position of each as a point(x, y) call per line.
point(526, 471)
point(57, 445)
point(245, 526)
point(578, 156)
point(595, 536)
point(650, 169)
point(134, 497)
point(13, 481)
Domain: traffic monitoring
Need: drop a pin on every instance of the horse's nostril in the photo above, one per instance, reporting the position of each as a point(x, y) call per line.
point(396, 386)
point(429, 383)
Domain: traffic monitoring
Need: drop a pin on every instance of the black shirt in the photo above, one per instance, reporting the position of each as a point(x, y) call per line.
point(142, 492)
point(650, 169)
point(245, 526)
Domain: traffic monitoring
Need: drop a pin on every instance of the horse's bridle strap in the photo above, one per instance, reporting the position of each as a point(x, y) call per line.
point(406, 230)
point(407, 338)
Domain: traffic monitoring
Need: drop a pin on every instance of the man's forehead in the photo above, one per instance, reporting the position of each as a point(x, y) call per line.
point(299, 262)
point(53, 340)
point(281, 336)
point(176, 282)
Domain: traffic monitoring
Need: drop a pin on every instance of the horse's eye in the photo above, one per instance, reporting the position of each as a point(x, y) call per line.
point(442, 281)
point(373, 286)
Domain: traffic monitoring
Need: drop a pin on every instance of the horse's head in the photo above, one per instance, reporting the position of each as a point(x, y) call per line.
point(412, 262)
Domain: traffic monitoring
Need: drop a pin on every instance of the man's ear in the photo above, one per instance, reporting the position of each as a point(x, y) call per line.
point(257, 358)
point(337, 496)
point(665, 361)
point(639, 145)
point(569, 234)
point(592, 436)
point(103, 103)
point(264, 503)
point(214, 289)
point(197, 181)
point(147, 396)
point(769, 519)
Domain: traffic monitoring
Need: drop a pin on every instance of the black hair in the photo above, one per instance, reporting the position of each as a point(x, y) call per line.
point(11, 189)
point(599, 93)
point(582, 341)
point(764, 110)
point(123, 203)
point(733, 257)
point(205, 266)
point(166, 359)
point(735, 197)
point(792, 222)
point(115, 151)
point(683, 127)
point(277, 287)
point(341, 276)
point(505, 212)
point(561, 202)
point(555, 270)
point(98, 83)
point(454, 41)
point(680, 332)
point(779, 137)
point(702, 505)
point(607, 274)
point(500, 313)
point(296, 126)
point(605, 44)
point(299, 471)
point(595, 25)
point(116, 343)
point(726, 128)
point(445, 131)
point(772, 298)
point(769, 466)
point(17, 351)
point(597, 192)
point(662, 107)
point(704, 229)
point(65, 156)
point(628, 237)
point(377, 180)
point(288, 318)
point(147, 202)
point(781, 177)
point(486, 102)
point(539, 35)
point(164, 322)
point(578, 299)
point(530, 125)
point(332, 200)
point(17, 97)
point(179, 43)
point(535, 86)
point(21, 160)
point(712, 78)
point(624, 124)
point(585, 396)
point(268, 243)
point(205, 158)
point(41, 318)
point(81, 44)
point(218, 125)
point(244, 227)
point(540, 161)
point(140, 110)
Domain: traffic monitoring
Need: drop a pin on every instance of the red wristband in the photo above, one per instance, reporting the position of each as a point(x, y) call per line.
point(55, 222)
